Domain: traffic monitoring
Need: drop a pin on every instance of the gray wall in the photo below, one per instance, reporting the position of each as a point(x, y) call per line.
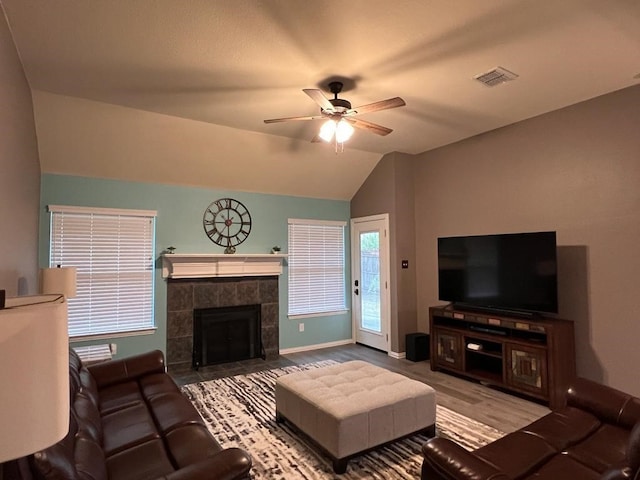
point(389, 189)
point(576, 171)
point(19, 174)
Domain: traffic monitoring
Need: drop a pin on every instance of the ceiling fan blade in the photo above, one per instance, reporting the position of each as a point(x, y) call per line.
point(292, 119)
point(381, 105)
point(371, 127)
point(318, 97)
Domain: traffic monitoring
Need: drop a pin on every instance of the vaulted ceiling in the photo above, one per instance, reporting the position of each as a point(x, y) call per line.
point(235, 63)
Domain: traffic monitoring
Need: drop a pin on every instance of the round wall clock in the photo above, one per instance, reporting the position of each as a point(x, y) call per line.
point(227, 223)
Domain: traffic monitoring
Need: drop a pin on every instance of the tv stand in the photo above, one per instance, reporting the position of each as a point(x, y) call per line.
point(534, 357)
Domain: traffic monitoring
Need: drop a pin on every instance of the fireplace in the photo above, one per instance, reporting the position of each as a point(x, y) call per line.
point(226, 334)
point(187, 295)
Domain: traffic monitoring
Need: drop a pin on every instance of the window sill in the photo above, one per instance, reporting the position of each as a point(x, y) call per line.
point(135, 333)
point(318, 314)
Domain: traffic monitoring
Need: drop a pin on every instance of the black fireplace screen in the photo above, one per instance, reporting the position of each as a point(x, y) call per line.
point(226, 334)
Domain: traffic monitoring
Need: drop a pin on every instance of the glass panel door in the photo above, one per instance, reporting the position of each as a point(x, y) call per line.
point(370, 282)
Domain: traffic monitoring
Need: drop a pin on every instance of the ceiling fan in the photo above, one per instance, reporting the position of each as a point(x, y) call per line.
point(341, 116)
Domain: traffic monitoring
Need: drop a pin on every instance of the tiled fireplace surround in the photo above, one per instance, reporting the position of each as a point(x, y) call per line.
point(185, 295)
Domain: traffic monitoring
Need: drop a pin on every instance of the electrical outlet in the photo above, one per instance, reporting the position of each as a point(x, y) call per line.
point(114, 348)
point(301, 327)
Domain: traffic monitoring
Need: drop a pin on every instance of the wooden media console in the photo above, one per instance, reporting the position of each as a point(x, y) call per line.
point(534, 357)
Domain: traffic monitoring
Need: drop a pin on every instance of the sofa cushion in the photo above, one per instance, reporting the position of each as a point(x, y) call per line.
point(564, 427)
point(145, 461)
point(119, 396)
point(157, 384)
point(606, 447)
point(126, 428)
point(190, 444)
point(171, 410)
point(127, 369)
point(564, 467)
point(517, 454)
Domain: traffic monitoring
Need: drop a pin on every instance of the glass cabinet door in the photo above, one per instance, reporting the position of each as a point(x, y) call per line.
point(527, 368)
point(448, 349)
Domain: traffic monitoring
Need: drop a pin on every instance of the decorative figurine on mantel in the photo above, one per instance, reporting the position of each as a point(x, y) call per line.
point(275, 249)
point(171, 249)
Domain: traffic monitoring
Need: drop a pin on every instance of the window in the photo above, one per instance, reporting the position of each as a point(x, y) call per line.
point(113, 252)
point(316, 267)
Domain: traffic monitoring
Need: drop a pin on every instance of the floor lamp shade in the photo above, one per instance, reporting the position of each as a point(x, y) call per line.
point(59, 280)
point(34, 374)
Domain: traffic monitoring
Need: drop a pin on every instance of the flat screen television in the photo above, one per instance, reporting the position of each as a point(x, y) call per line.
point(505, 272)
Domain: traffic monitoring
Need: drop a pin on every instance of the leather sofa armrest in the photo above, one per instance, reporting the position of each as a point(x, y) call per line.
point(116, 371)
point(603, 401)
point(446, 460)
point(617, 474)
point(228, 464)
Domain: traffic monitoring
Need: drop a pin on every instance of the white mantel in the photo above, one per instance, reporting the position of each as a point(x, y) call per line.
point(204, 265)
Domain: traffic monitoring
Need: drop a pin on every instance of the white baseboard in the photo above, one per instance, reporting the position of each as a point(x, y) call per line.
point(317, 346)
point(397, 355)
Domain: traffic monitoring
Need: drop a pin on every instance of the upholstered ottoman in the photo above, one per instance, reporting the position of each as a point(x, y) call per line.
point(352, 407)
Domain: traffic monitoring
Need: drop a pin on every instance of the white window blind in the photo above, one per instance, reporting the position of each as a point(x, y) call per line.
point(316, 267)
point(112, 251)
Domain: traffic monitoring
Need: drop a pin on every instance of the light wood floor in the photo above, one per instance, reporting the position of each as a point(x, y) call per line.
point(501, 410)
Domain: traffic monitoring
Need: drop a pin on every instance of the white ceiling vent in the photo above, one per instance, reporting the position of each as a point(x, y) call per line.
point(496, 76)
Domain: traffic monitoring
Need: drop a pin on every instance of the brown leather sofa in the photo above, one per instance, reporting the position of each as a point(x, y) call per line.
point(129, 421)
point(595, 436)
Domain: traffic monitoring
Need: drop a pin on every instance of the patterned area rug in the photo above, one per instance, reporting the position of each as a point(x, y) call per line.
point(240, 411)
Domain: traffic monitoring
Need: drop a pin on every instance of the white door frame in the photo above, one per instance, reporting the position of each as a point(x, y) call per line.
point(385, 295)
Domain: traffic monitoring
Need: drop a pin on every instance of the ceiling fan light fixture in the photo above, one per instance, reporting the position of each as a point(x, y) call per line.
point(344, 130)
point(327, 130)
point(336, 129)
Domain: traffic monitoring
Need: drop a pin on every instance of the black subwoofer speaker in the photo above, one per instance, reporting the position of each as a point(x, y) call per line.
point(417, 346)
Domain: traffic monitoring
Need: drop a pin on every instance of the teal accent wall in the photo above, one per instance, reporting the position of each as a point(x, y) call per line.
point(179, 223)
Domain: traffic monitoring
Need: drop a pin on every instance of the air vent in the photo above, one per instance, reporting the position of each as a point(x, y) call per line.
point(496, 76)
